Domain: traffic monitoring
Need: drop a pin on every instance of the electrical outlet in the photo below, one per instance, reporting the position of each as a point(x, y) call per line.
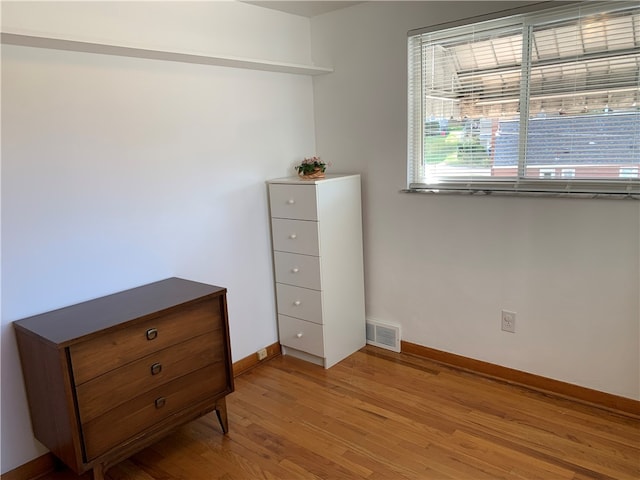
point(509, 321)
point(262, 354)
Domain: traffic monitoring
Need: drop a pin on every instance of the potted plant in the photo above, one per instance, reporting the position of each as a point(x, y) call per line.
point(311, 168)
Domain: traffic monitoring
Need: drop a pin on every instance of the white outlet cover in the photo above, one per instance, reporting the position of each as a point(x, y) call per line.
point(508, 321)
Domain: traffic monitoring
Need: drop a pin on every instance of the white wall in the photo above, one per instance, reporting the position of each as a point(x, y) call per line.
point(222, 27)
point(117, 171)
point(443, 267)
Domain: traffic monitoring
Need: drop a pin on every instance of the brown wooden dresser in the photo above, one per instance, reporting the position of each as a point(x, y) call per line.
point(109, 376)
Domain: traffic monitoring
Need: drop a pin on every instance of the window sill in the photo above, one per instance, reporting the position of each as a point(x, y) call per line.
point(471, 192)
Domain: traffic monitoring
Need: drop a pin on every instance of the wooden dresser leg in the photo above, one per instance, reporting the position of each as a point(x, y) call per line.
point(221, 411)
point(98, 472)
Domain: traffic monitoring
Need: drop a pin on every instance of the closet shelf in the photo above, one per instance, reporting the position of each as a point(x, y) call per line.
point(172, 56)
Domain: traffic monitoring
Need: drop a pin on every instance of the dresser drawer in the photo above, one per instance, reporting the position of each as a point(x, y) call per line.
point(147, 410)
point(298, 302)
point(111, 350)
point(299, 270)
point(116, 387)
point(301, 335)
point(293, 201)
point(296, 236)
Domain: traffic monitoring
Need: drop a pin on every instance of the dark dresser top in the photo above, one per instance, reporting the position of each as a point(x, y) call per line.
point(62, 326)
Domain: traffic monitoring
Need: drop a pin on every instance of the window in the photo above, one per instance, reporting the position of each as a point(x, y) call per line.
point(539, 102)
point(629, 172)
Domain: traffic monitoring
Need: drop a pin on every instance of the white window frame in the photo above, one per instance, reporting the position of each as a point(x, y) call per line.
point(555, 185)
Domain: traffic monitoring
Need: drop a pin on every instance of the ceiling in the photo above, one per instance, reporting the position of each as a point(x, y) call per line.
point(304, 8)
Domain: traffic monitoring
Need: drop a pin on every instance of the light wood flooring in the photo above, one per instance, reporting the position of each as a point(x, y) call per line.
point(383, 416)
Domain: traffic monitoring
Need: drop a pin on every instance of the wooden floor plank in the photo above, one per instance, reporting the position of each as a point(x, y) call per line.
point(379, 415)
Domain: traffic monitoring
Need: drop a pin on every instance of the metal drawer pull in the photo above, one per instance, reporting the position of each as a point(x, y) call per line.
point(295, 270)
point(293, 236)
point(299, 335)
point(291, 201)
point(152, 333)
point(297, 303)
point(156, 368)
point(160, 402)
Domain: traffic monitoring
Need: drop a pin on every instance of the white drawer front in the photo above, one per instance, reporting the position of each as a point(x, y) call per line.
point(295, 236)
point(299, 302)
point(300, 270)
point(293, 201)
point(301, 335)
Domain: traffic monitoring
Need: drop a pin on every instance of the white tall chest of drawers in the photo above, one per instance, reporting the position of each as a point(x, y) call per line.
point(316, 229)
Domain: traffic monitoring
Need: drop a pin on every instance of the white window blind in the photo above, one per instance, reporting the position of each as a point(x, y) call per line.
point(543, 102)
